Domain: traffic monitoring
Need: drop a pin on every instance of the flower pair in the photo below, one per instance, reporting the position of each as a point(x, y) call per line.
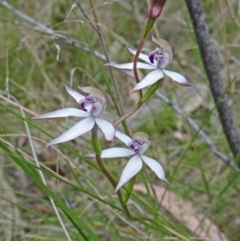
point(92, 106)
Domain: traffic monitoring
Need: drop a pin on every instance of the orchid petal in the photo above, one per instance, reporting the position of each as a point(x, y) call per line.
point(75, 131)
point(150, 79)
point(143, 147)
point(176, 77)
point(130, 66)
point(155, 167)
point(122, 137)
point(63, 113)
point(107, 128)
point(131, 169)
point(114, 152)
point(141, 56)
point(77, 96)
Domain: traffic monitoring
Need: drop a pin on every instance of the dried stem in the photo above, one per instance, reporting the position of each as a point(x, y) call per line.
point(209, 59)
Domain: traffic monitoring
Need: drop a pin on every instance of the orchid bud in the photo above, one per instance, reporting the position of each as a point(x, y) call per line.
point(155, 8)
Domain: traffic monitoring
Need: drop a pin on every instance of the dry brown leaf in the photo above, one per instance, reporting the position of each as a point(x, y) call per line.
point(185, 212)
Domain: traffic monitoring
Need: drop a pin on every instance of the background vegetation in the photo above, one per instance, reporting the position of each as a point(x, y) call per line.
point(33, 68)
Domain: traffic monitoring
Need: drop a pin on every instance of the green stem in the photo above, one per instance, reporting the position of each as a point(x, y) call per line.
point(97, 148)
point(148, 26)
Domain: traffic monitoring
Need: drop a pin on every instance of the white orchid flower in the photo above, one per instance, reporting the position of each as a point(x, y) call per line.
point(157, 61)
point(137, 146)
point(91, 107)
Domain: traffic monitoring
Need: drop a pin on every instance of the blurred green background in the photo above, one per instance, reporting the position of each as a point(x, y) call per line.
point(33, 68)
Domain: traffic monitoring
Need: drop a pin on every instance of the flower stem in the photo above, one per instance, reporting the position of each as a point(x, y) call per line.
point(112, 181)
point(145, 33)
point(97, 148)
point(134, 109)
point(146, 30)
point(144, 98)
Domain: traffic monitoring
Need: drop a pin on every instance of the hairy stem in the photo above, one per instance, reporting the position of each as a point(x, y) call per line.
point(211, 66)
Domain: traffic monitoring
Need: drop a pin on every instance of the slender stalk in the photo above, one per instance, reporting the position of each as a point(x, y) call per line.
point(144, 98)
point(109, 177)
point(211, 66)
point(97, 147)
point(145, 33)
point(133, 110)
point(146, 30)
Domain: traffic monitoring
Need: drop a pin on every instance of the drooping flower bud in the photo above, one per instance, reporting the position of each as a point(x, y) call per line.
point(155, 8)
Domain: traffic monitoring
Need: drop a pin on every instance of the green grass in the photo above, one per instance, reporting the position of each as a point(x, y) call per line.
point(84, 198)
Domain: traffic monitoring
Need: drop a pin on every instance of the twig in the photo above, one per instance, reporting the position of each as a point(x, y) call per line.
point(209, 59)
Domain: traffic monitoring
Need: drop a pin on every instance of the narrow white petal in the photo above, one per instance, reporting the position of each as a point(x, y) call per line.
point(75, 131)
point(77, 96)
point(155, 167)
point(131, 169)
point(115, 152)
point(142, 56)
point(130, 66)
point(107, 128)
point(122, 137)
point(150, 79)
point(63, 113)
point(176, 77)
